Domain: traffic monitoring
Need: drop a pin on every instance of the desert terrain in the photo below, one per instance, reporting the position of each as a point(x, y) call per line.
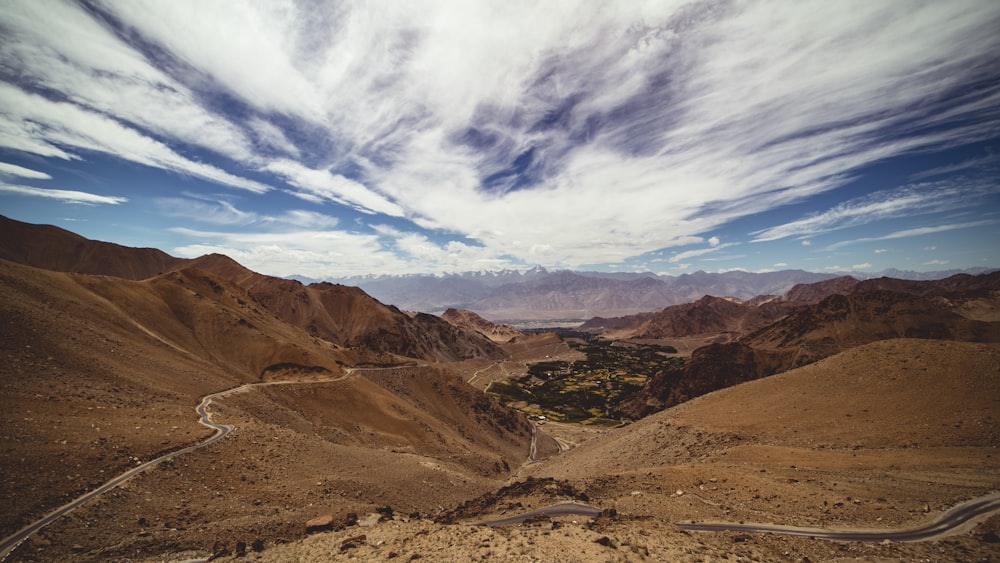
point(362, 432)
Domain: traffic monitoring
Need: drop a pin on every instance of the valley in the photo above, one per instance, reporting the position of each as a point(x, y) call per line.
point(386, 434)
point(589, 390)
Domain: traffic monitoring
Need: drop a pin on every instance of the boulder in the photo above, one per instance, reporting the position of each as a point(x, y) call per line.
point(322, 523)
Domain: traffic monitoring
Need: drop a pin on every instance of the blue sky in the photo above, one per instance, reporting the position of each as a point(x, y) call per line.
point(335, 139)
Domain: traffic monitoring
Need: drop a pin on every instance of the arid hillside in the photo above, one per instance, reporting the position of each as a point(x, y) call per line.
point(51, 248)
point(101, 373)
point(469, 320)
point(882, 436)
point(706, 316)
point(342, 315)
point(368, 427)
point(812, 332)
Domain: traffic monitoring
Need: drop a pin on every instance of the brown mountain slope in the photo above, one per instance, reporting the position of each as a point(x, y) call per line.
point(204, 315)
point(342, 315)
point(718, 315)
point(350, 317)
point(101, 372)
point(808, 334)
point(883, 436)
point(471, 321)
point(51, 248)
point(909, 422)
point(954, 284)
point(816, 292)
point(840, 322)
point(708, 315)
point(85, 390)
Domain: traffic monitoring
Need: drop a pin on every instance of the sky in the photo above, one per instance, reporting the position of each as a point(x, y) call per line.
point(331, 139)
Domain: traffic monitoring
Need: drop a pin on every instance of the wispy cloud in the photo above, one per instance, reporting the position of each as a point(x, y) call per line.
point(909, 200)
point(325, 185)
point(66, 196)
point(688, 254)
point(307, 252)
point(7, 169)
point(222, 212)
point(915, 232)
point(33, 123)
point(549, 132)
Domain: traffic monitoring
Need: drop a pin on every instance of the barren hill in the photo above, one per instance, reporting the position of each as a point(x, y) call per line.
point(101, 370)
point(817, 291)
point(883, 436)
point(471, 321)
point(708, 315)
point(808, 334)
point(343, 315)
point(350, 317)
point(101, 373)
point(52, 248)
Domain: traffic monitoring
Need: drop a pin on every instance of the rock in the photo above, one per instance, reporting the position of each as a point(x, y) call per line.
point(353, 542)
point(991, 537)
point(605, 541)
point(321, 523)
point(241, 548)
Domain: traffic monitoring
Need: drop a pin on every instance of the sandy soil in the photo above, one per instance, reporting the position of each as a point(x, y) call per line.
point(887, 434)
point(920, 437)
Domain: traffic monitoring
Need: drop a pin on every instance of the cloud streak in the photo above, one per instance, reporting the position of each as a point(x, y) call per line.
point(909, 200)
point(915, 232)
point(66, 196)
point(559, 133)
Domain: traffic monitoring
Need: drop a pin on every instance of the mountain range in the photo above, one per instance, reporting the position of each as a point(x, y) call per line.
point(541, 295)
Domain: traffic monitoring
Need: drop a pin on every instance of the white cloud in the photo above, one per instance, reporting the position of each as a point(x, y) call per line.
point(306, 219)
point(699, 252)
point(930, 248)
point(54, 125)
point(862, 267)
point(881, 250)
point(67, 196)
point(780, 265)
point(324, 184)
point(915, 232)
point(936, 262)
point(313, 253)
point(806, 242)
point(216, 212)
point(7, 169)
point(637, 127)
point(909, 200)
point(66, 50)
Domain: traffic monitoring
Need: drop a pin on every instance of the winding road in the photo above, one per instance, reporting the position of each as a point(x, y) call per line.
point(561, 509)
point(205, 418)
point(952, 521)
point(948, 523)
